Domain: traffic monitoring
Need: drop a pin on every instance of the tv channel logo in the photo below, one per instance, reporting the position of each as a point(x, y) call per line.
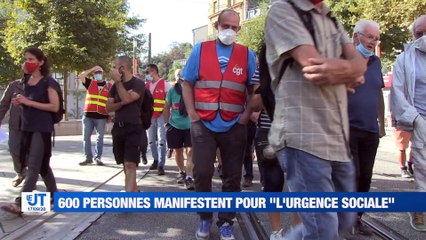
point(35, 202)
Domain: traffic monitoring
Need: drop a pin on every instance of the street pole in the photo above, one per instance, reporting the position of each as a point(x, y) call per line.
point(149, 48)
point(135, 61)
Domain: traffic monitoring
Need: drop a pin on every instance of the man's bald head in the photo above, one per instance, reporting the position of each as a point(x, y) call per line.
point(419, 27)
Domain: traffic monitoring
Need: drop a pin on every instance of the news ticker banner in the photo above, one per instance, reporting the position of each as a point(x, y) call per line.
point(226, 202)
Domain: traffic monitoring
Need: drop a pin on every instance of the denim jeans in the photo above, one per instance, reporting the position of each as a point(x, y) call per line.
point(89, 124)
point(157, 140)
point(308, 173)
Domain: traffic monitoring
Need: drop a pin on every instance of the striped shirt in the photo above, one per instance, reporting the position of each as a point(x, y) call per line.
point(264, 121)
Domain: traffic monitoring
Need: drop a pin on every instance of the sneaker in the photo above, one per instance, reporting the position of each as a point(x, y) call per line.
point(226, 232)
point(405, 173)
point(170, 153)
point(154, 165)
point(247, 183)
point(144, 160)
point(410, 168)
point(160, 171)
point(277, 235)
point(417, 221)
point(362, 229)
point(203, 231)
point(181, 177)
point(86, 162)
point(189, 184)
point(98, 161)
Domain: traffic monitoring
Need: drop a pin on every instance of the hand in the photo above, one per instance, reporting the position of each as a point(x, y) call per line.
point(115, 75)
point(21, 99)
point(96, 69)
point(382, 132)
point(244, 119)
point(194, 117)
point(323, 71)
point(350, 87)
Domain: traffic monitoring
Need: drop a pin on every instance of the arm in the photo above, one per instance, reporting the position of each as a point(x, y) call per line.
point(52, 106)
point(111, 106)
point(166, 112)
point(245, 116)
point(6, 100)
point(82, 76)
point(404, 112)
point(126, 96)
point(330, 71)
point(188, 98)
point(381, 115)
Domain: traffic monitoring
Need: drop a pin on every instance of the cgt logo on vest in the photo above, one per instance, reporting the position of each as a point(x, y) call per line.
point(35, 202)
point(237, 70)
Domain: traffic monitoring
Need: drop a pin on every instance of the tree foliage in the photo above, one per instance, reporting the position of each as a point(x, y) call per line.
point(165, 60)
point(8, 69)
point(75, 34)
point(252, 31)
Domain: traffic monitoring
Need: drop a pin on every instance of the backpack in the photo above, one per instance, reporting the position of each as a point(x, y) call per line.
point(147, 109)
point(59, 115)
point(265, 90)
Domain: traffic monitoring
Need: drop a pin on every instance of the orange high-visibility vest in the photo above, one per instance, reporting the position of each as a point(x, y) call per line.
point(159, 96)
point(95, 99)
point(216, 92)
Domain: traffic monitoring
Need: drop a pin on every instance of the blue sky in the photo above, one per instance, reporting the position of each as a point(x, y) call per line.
point(170, 20)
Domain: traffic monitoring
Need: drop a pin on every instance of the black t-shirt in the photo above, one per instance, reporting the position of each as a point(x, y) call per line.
point(33, 119)
point(94, 114)
point(129, 113)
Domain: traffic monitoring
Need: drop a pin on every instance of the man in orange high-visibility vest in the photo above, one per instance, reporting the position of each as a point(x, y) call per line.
point(95, 115)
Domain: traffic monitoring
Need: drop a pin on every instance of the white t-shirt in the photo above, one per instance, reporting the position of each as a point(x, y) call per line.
point(152, 86)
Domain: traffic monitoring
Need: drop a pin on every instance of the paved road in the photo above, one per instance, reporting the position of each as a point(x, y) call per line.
point(72, 177)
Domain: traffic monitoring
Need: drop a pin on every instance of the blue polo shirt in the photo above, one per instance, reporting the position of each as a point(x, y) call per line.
point(191, 70)
point(363, 105)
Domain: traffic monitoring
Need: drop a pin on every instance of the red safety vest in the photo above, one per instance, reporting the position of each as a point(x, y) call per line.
point(95, 99)
point(216, 92)
point(159, 96)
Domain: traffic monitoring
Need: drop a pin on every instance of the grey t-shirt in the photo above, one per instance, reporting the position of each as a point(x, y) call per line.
point(129, 113)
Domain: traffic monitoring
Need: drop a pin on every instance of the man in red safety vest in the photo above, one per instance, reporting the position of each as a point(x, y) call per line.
point(217, 81)
point(95, 114)
point(157, 132)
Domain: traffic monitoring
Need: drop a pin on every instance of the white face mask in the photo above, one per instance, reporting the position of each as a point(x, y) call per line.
point(148, 77)
point(420, 43)
point(227, 36)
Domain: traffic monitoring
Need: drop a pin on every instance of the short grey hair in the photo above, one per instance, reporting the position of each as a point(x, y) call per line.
point(416, 22)
point(360, 25)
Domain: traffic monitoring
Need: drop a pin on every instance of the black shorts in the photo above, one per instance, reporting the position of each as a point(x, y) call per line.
point(177, 138)
point(126, 142)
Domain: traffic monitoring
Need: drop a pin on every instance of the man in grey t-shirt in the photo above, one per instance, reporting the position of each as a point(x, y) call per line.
point(310, 127)
point(126, 96)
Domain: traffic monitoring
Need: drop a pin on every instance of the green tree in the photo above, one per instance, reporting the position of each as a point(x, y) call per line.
point(165, 60)
point(74, 34)
point(252, 31)
point(8, 69)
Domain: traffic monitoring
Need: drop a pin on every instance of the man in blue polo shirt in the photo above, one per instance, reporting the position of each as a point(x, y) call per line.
point(217, 77)
point(366, 112)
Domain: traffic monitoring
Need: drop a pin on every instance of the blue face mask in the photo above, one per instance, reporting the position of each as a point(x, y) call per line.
point(364, 52)
point(98, 77)
point(148, 77)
